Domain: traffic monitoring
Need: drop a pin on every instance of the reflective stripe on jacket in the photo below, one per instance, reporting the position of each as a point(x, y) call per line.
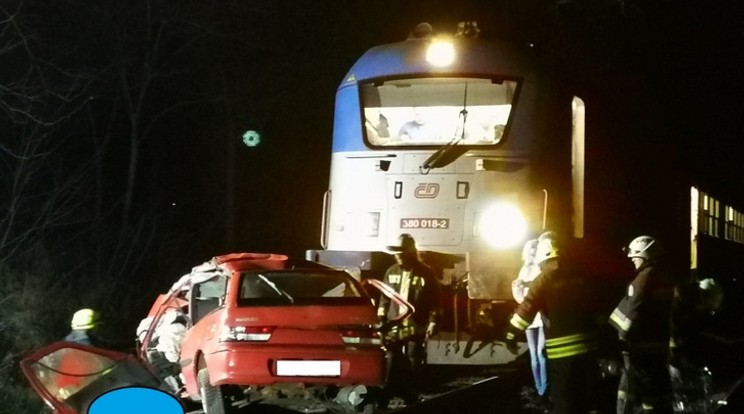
point(566, 346)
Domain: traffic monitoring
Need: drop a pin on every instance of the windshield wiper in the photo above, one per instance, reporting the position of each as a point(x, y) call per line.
point(276, 289)
point(450, 151)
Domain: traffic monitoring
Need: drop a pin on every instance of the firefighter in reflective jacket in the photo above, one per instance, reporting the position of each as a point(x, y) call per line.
point(84, 324)
point(563, 298)
point(415, 282)
point(642, 319)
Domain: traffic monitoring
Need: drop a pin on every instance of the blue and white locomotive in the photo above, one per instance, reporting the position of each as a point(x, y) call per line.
point(473, 146)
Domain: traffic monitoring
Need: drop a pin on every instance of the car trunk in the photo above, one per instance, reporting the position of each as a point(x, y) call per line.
point(311, 325)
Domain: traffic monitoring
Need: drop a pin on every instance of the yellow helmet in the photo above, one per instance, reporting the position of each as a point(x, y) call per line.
point(85, 319)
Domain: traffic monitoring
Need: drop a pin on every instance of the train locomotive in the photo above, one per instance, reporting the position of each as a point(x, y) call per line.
point(473, 146)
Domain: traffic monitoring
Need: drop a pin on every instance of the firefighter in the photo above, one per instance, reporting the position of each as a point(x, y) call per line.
point(642, 319)
point(84, 324)
point(563, 296)
point(415, 282)
point(73, 369)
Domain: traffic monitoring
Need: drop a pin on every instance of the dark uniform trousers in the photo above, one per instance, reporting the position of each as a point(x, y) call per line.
point(645, 385)
point(572, 383)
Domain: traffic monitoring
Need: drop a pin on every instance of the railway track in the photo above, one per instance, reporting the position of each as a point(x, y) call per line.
point(475, 391)
point(447, 390)
point(491, 390)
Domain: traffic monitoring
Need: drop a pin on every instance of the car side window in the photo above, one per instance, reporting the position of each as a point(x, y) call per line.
point(207, 296)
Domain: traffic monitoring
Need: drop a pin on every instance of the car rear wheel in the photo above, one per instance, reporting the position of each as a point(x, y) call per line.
point(211, 395)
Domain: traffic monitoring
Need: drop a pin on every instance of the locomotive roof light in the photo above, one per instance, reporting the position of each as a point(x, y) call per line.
point(440, 48)
point(503, 225)
point(440, 52)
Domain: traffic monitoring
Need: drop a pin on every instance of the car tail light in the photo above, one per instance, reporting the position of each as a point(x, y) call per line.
point(360, 336)
point(246, 333)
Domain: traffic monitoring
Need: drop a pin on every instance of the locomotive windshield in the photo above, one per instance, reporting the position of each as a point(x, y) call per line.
point(433, 111)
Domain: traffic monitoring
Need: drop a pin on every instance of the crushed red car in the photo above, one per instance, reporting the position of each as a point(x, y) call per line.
point(263, 328)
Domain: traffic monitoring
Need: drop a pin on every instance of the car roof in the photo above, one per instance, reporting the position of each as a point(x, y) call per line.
point(237, 262)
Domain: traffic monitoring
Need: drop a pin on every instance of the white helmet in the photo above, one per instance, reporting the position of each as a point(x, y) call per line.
point(711, 295)
point(546, 249)
point(645, 247)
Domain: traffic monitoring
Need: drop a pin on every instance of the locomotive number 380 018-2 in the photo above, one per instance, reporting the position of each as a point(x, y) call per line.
point(424, 223)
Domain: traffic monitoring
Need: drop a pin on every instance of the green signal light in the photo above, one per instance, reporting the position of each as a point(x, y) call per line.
point(251, 138)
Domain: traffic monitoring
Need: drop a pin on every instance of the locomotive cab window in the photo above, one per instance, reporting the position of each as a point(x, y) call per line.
point(435, 111)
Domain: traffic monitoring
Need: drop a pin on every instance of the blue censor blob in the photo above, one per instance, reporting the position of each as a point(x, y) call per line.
point(251, 138)
point(136, 400)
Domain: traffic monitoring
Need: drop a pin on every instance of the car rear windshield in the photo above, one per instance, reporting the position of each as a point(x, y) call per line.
point(300, 288)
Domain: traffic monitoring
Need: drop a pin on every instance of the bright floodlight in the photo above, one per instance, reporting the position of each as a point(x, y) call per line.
point(503, 226)
point(440, 53)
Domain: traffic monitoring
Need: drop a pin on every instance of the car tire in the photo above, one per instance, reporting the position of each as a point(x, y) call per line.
point(211, 395)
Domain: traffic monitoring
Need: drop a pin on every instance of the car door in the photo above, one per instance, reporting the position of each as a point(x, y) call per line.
point(376, 289)
point(164, 310)
point(70, 376)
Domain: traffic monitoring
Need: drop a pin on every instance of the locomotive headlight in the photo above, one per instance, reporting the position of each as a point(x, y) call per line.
point(441, 52)
point(502, 225)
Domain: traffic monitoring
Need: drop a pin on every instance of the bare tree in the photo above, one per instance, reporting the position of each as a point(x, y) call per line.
point(41, 185)
point(43, 190)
